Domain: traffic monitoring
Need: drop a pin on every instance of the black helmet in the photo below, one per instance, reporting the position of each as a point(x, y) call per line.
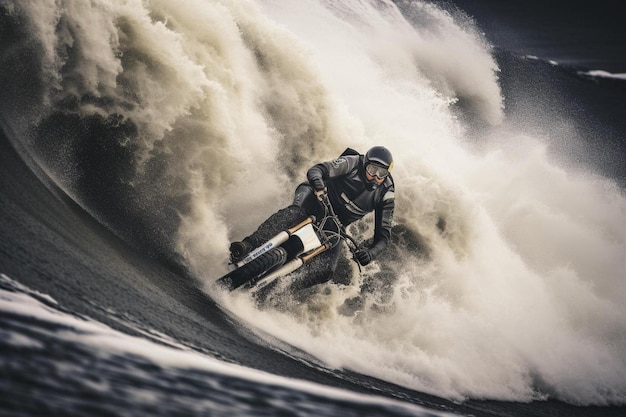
point(379, 155)
point(377, 163)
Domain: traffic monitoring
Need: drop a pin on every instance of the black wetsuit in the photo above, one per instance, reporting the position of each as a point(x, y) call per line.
point(351, 196)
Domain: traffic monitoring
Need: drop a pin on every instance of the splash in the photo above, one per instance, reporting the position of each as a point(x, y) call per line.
point(211, 111)
point(520, 294)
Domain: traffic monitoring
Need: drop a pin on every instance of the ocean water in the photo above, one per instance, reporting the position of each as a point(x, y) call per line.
point(579, 35)
point(139, 138)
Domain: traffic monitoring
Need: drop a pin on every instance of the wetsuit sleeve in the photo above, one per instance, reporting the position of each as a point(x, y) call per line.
point(318, 174)
point(384, 222)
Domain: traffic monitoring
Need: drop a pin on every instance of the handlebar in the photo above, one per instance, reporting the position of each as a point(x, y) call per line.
point(329, 214)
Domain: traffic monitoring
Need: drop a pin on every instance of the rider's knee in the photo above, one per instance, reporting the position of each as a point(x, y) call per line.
point(303, 196)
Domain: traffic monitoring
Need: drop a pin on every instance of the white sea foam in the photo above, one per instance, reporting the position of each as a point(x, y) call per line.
point(605, 74)
point(525, 287)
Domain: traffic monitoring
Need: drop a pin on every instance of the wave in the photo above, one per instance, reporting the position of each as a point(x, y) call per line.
point(154, 357)
point(588, 73)
point(181, 126)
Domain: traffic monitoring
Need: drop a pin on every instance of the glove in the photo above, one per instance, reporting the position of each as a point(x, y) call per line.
point(363, 256)
point(322, 195)
point(317, 183)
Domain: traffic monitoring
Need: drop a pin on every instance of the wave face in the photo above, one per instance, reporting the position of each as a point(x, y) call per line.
point(182, 125)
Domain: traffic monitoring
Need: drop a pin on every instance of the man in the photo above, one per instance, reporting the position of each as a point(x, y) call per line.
point(355, 185)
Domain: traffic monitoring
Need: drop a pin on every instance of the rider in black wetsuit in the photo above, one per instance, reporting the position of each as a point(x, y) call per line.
point(356, 185)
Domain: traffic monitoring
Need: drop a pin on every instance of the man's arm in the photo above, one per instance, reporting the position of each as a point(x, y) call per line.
point(318, 174)
point(382, 231)
point(384, 217)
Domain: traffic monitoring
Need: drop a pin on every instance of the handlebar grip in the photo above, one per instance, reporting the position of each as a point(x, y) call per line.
point(326, 202)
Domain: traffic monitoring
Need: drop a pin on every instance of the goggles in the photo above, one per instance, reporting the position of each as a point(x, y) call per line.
point(376, 171)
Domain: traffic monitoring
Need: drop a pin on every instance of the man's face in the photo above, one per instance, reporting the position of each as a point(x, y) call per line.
point(375, 173)
point(373, 178)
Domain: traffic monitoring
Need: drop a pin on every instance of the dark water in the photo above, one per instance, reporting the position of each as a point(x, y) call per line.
point(584, 35)
point(545, 51)
point(94, 320)
point(55, 363)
